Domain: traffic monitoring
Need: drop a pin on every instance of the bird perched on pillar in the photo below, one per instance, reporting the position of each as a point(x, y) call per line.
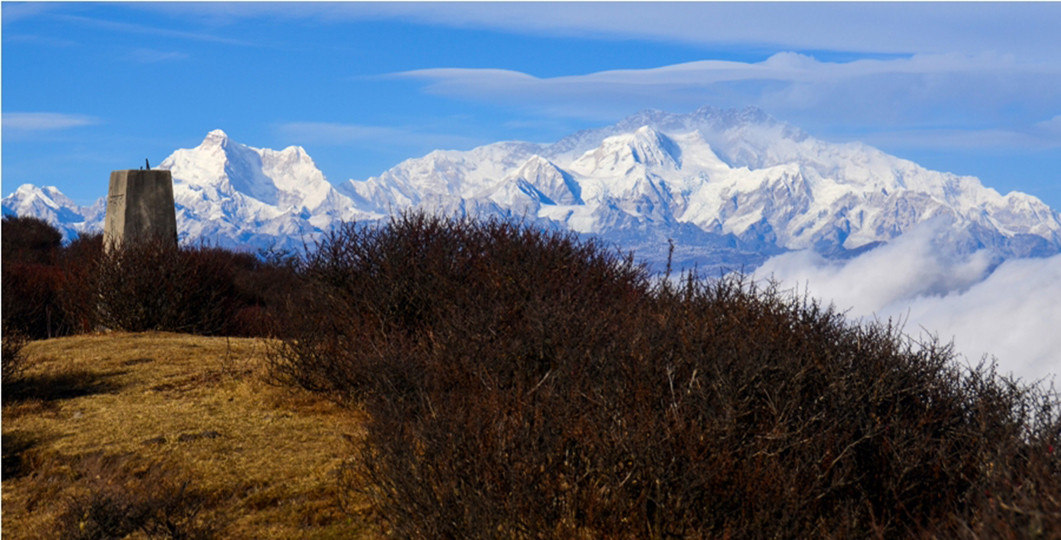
point(147, 165)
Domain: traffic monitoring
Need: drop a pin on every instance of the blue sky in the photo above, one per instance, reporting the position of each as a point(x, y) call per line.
point(88, 88)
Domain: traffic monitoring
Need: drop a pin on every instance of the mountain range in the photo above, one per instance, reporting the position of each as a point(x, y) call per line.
point(728, 187)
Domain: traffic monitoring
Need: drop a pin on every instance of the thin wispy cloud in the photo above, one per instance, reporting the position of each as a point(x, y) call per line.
point(156, 31)
point(21, 123)
point(858, 27)
point(1052, 125)
point(31, 39)
point(152, 56)
point(17, 11)
point(962, 93)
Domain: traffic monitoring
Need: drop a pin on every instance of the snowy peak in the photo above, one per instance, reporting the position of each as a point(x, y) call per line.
point(33, 200)
point(624, 154)
point(220, 168)
point(47, 195)
point(738, 136)
point(49, 204)
point(654, 149)
point(216, 137)
point(238, 194)
point(30, 200)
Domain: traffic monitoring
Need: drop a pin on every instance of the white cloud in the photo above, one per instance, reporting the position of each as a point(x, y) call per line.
point(1027, 29)
point(1011, 312)
point(1014, 314)
point(915, 264)
point(18, 11)
point(20, 123)
point(961, 96)
point(1052, 125)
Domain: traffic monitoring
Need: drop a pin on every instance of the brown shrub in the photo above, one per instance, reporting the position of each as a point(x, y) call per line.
point(29, 240)
point(154, 285)
point(525, 384)
point(266, 286)
point(31, 298)
point(14, 363)
point(30, 278)
point(47, 288)
point(53, 290)
point(150, 285)
point(78, 296)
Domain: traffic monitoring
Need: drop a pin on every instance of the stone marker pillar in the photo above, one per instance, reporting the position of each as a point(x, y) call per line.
point(139, 206)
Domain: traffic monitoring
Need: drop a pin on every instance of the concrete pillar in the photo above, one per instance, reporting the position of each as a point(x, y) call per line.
point(139, 206)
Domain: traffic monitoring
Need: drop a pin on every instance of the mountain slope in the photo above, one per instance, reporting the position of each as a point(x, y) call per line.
point(730, 187)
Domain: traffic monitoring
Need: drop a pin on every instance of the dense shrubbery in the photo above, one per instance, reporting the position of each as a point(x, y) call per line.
point(154, 285)
point(29, 240)
point(525, 384)
point(51, 290)
point(32, 281)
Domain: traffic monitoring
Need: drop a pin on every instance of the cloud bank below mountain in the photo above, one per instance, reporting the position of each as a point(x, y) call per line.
point(1008, 310)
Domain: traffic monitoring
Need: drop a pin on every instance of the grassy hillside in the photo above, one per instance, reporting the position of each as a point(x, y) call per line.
point(183, 426)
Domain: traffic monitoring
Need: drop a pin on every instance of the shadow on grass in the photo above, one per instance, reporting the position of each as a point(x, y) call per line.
point(60, 386)
point(15, 446)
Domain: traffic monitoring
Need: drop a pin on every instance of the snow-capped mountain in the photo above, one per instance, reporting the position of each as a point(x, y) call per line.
point(49, 204)
point(729, 187)
point(724, 184)
point(239, 196)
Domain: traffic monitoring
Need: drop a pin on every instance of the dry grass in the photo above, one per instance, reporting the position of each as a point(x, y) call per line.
point(265, 457)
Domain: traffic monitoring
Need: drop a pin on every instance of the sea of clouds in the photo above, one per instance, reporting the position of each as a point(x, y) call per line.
point(1009, 311)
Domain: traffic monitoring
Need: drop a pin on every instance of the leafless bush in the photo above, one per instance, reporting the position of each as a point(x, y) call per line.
point(153, 285)
point(77, 297)
point(525, 384)
point(47, 288)
point(30, 278)
point(52, 290)
point(29, 239)
point(14, 363)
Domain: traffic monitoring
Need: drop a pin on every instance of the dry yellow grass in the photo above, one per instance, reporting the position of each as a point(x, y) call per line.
point(267, 456)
